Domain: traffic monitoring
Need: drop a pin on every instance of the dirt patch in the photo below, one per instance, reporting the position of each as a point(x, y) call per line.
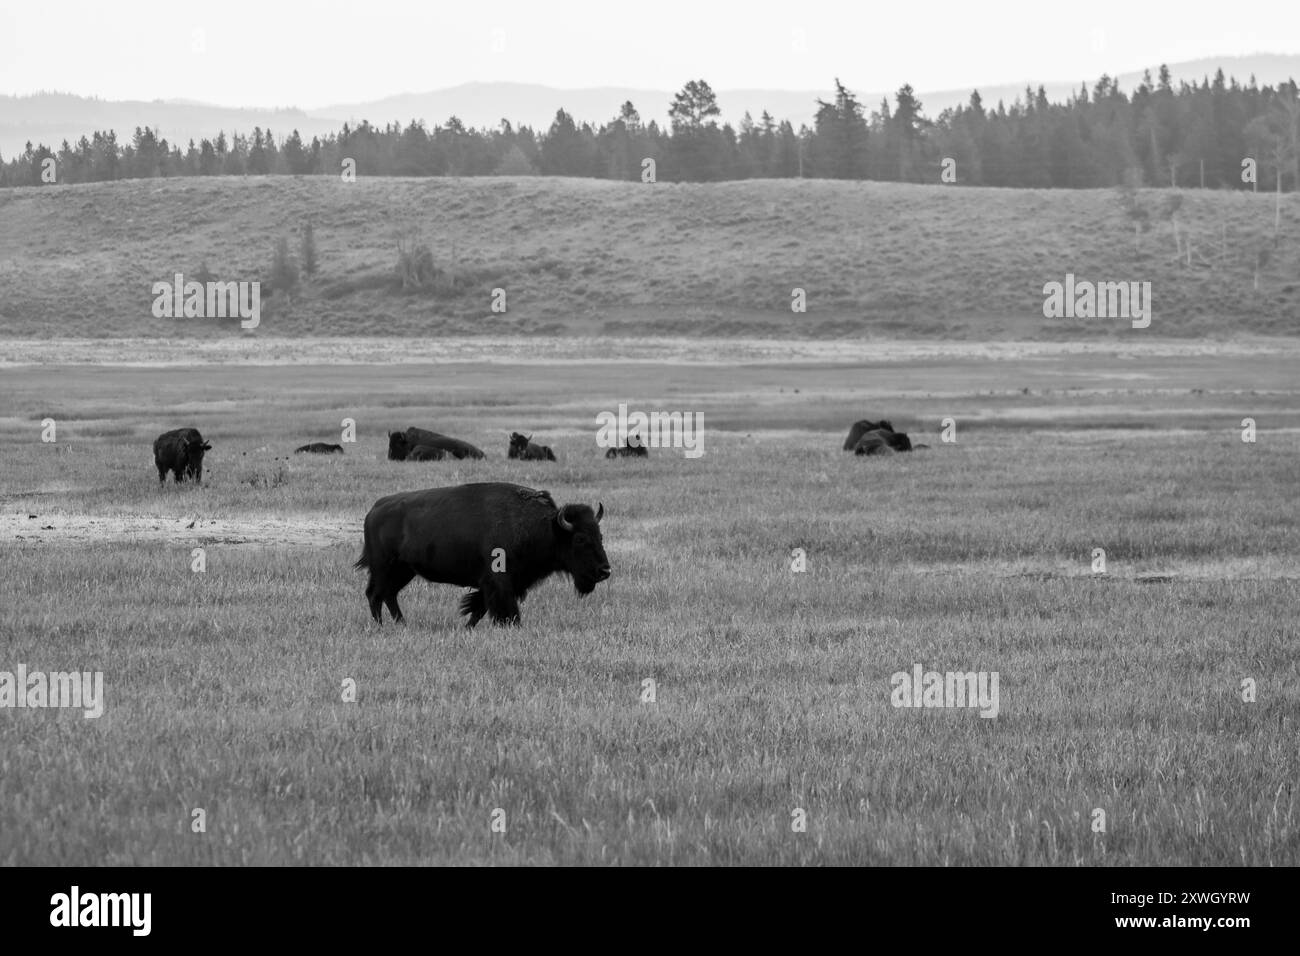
point(547, 350)
point(57, 529)
point(1264, 568)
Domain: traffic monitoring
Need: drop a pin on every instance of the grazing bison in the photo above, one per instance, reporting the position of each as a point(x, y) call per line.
point(181, 452)
point(499, 539)
point(425, 453)
point(881, 441)
point(633, 449)
point(319, 448)
point(401, 443)
point(522, 447)
point(861, 428)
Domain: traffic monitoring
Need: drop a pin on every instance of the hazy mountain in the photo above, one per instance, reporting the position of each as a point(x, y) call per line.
point(53, 117)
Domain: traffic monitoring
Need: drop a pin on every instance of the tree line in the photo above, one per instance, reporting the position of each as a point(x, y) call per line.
point(1193, 135)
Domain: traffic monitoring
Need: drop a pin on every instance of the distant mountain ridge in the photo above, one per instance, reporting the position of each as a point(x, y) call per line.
point(52, 117)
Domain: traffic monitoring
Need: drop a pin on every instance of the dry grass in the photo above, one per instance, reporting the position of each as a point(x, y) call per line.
point(223, 689)
point(585, 256)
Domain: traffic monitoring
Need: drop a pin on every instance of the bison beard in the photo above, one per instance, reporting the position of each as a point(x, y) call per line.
point(449, 536)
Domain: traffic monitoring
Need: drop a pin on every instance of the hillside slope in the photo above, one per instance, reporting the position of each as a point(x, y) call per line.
point(596, 257)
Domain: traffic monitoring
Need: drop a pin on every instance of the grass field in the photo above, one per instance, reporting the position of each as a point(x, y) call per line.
point(1119, 692)
point(584, 257)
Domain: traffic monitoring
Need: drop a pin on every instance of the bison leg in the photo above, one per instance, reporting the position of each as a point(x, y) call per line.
point(383, 587)
point(198, 475)
point(178, 475)
point(501, 604)
point(474, 606)
point(162, 476)
point(399, 576)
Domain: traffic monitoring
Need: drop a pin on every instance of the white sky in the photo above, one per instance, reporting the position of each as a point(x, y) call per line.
point(310, 53)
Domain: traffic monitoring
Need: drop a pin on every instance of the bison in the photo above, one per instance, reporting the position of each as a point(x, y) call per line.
point(401, 443)
point(319, 448)
point(633, 449)
point(425, 453)
point(522, 447)
point(881, 441)
point(861, 428)
point(180, 451)
point(498, 539)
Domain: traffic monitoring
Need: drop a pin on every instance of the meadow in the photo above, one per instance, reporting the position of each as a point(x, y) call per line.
point(1119, 692)
point(590, 257)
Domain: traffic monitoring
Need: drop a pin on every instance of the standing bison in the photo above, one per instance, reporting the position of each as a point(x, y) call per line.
point(522, 447)
point(181, 452)
point(497, 538)
point(319, 448)
point(401, 443)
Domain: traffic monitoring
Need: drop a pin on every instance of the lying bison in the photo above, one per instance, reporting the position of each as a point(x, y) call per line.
point(401, 443)
point(319, 448)
point(633, 449)
point(425, 453)
point(881, 441)
point(522, 447)
point(181, 452)
point(497, 538)
point(861, 428)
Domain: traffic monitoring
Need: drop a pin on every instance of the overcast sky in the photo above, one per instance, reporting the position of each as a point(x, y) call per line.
point(315, 52)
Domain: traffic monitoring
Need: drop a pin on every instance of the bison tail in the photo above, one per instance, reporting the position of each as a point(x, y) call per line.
point(362, 562)
point(473, 604)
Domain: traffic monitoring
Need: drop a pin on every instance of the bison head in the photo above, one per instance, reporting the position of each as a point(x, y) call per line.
point(581, 548)
point(195, 446)
point(518, 443)
point(398, 446)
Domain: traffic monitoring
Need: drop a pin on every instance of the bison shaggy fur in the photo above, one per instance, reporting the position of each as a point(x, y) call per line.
point(180, 451)
point(496, 538)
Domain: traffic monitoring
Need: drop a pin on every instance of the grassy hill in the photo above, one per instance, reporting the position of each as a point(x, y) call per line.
point(595, 257)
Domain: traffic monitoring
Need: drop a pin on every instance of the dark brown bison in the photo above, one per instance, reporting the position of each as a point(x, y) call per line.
point(401, 443)
point(181, 452)
point(882, 441)
point(319, 448)
point(633, 449)
point(499, 539)
point(861, 428)
point(425, 453)
point(522, 447)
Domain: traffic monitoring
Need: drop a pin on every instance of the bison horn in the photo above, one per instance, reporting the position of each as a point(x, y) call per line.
point(600, 512)
point(560, 520)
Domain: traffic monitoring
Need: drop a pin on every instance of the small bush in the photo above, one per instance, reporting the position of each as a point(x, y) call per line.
point(415, 268)
point(284, 271)
point(309, 263)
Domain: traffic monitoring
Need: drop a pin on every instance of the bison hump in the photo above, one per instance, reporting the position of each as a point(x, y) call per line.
point(538, 496)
